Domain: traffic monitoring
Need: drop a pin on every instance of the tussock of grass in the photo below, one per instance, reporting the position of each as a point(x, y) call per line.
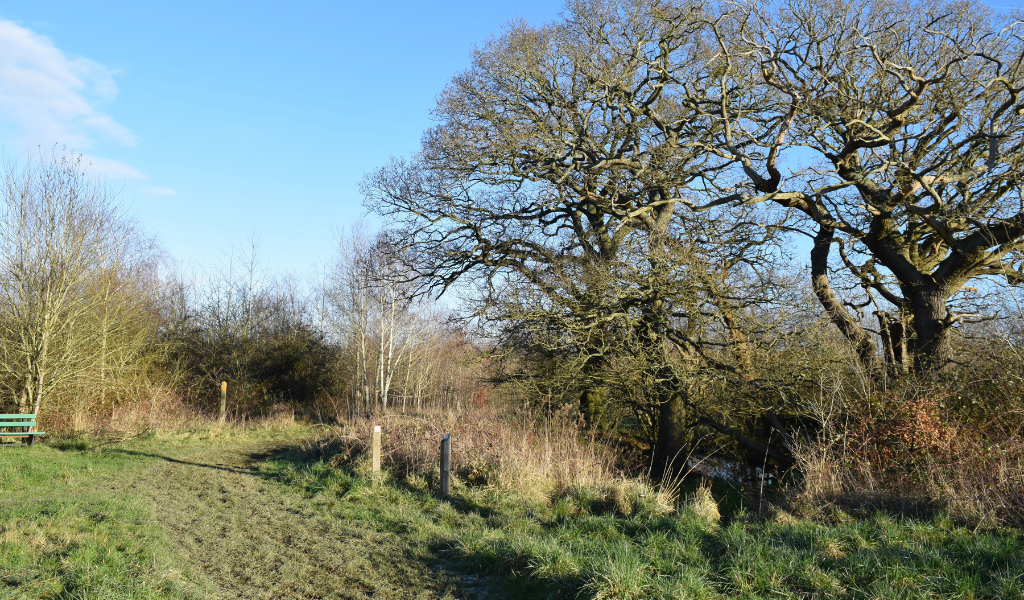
point(704, 506)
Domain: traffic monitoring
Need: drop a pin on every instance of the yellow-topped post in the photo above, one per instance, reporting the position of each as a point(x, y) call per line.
point(223, 401)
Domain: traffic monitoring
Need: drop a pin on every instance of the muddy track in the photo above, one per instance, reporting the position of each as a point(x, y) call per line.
point(251, 537)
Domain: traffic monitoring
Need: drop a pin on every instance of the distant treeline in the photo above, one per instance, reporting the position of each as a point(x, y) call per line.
point(99, 330)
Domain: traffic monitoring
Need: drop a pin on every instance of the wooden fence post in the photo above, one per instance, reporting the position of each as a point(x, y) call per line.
point(446, 463)
point(376, 449)
point(223, 401)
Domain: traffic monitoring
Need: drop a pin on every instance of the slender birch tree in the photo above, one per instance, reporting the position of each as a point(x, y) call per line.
point(56, 225)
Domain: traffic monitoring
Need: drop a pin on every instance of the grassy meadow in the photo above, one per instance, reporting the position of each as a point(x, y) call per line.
point(70, 527)
point(292, 511)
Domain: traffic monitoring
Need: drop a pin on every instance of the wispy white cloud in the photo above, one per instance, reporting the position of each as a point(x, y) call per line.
point(47, 97)
point(159, 191)
point(109, 168)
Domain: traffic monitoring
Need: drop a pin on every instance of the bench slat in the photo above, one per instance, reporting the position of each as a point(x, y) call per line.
point(18, 421)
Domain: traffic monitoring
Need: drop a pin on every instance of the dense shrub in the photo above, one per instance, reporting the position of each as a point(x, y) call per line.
point(950, 443)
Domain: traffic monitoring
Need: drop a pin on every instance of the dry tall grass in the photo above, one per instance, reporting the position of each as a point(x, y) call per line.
point(155, 408)
point(538, 459)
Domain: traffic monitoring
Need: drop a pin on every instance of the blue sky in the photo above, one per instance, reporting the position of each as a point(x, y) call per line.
point(218, 120)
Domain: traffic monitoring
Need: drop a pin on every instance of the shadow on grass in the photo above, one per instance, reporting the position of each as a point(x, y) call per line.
point(228, 468)
point(509, 573)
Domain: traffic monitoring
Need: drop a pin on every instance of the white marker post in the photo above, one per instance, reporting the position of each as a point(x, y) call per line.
point(376, 449)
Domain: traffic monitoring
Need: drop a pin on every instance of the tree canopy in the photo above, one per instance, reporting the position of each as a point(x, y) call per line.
point(629, 180)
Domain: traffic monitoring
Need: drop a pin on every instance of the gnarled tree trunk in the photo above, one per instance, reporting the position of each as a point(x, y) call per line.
point(933, 350)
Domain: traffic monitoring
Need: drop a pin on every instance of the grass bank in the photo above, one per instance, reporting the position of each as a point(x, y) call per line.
point(291, 512)
point(591, 541)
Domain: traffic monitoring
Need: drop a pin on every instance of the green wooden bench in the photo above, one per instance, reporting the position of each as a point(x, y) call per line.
point(21, 423)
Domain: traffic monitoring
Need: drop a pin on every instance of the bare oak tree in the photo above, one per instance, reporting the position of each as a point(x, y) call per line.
point(555, 175)
point(896, 129)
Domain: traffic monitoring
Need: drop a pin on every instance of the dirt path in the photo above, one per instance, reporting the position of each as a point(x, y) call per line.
point(251, 537)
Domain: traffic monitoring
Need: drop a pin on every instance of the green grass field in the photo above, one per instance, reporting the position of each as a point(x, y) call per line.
point(244, 514)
